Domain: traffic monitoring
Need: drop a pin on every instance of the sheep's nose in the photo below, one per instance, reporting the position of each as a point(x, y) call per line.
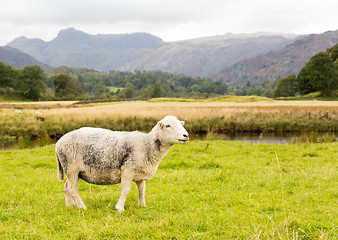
point(186, 135)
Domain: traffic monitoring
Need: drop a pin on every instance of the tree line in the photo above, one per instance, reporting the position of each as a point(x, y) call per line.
point(67, 83)
point(139, 84)
point(320, 74)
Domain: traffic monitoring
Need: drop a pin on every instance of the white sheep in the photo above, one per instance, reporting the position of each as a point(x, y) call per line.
point(104, 157)
point(18, 111)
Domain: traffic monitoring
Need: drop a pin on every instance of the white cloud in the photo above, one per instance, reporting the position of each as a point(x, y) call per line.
point(168, 19)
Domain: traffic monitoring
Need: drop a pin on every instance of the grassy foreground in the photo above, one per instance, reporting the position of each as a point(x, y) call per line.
point(202, 190)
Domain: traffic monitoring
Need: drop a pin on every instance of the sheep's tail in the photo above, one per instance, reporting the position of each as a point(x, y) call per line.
point(60, 169)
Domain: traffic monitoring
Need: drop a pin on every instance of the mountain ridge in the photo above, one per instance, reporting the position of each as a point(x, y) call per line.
point(78, 49)
point(238, 36)
point(203, 58)
point(143, 51)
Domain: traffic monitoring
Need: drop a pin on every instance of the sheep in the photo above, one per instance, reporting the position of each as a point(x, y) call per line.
point(18, 111)
point(104, 157)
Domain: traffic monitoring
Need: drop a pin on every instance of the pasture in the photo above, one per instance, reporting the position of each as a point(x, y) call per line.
point(202, 190)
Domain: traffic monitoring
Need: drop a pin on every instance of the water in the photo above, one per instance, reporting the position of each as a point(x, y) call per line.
point(286, 138)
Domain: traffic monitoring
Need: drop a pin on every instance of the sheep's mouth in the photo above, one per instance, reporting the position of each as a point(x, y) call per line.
point(183, 140)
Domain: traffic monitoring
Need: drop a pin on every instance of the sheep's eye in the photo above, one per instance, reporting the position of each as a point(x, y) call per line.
point(167, 126)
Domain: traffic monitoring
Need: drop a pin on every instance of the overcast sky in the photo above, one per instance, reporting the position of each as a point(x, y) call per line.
point(168, 19)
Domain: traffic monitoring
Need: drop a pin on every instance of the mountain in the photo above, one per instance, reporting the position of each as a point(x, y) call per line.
point(15, 57)
point(209, 55)
point(78, 49)
point(232, 58)
point(277, 63)
point(228, 36)
point(143, 51)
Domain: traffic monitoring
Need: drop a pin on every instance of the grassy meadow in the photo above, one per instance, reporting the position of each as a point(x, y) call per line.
point(202, 190)
point(221, 115)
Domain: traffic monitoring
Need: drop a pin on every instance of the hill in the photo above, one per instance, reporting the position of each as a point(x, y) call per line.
point(78, 49)
point(15, 57)
point(143, 51)
point(205, 56)
point(277, 63)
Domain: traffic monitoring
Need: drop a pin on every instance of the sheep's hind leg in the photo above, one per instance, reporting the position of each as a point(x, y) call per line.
point(68, 196)
point(73, 192)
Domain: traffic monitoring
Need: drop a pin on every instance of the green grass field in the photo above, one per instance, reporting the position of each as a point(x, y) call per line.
point(202, 190)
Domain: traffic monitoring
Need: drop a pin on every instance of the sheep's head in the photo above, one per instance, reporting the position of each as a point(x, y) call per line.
point(171, 130)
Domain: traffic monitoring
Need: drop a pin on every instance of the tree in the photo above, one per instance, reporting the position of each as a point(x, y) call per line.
point(100, 89)
point(158, 91)
point(148, 92)
point(66, 86)
point(286, 87)
point(319, 74)
point(333, 52)
point(303, 81)
point(129, 91)
point(195, 88)
point(33, 81)
point(7, 75)
point(49, 94)
point(60, 83)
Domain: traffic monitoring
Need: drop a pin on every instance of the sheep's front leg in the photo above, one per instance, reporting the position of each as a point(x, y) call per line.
point(126, 180)
point(141, 192)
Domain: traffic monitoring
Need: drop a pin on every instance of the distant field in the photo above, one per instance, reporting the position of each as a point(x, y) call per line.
point(35, 105)
point(183, 109)
point(224, 116)
point(39, 103)
point(193, 110)
point(202, 190)
point(115, 89)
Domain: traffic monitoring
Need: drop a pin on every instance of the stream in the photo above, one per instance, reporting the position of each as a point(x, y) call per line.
point(286, 138)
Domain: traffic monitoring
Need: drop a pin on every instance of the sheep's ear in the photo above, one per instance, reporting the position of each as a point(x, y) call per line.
point(161, 124)
point(182, 122)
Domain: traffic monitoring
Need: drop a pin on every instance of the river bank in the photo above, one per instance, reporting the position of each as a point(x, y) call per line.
point(46, 124)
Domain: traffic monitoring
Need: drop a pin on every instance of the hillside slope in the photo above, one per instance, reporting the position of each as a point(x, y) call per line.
point(277, 63)
point(15, 57)
point(202, 57)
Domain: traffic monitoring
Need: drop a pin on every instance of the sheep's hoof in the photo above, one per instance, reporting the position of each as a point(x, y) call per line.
point(119, 209)
point(83, 207)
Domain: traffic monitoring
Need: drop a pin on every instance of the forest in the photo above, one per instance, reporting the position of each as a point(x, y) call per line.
point(67, 83)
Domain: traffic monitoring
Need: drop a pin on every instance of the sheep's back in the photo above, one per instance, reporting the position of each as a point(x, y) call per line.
point(99, 148)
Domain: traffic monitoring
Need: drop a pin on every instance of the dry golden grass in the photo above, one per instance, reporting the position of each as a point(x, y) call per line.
point(188, 110)
point(65, 111)
point(36, 105)
point(40, 103)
